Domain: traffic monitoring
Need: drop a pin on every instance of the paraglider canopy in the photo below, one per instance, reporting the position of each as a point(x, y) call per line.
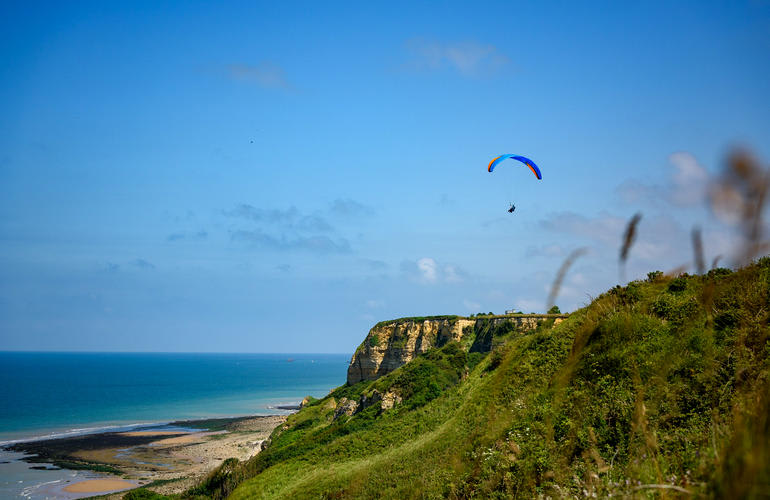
point(526, 161)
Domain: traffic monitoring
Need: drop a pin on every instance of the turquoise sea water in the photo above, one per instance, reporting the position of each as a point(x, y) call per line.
point(45, 395)
point(55, 393)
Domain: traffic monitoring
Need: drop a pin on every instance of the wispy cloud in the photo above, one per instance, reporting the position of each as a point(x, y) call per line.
point(634, 192)
point(316, 243)
point(290, 218)
point(659, 236)
point(687, 185)
point(198, 235)
point(468, 58)
point(605, 228)
point(292, 229)
point(553, 250)
point(446, 201)
point(690, 180)
point(142, 264)
point(347, 207)
point(427, 271)
point(265, 74)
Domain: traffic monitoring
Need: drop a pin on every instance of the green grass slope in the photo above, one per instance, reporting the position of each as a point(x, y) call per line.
point(660, 388)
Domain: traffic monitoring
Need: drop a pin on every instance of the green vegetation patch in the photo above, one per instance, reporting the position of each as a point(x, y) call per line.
point(416, 319)
point(657, 387)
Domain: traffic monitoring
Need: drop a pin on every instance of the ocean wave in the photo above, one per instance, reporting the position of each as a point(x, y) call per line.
point(30, 490)
point(82, 431)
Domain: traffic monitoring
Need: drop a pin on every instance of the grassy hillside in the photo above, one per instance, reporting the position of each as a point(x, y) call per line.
point(660, 388)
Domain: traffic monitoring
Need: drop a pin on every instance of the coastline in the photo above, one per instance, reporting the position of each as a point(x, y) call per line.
point(8, 439)
point(168, 457)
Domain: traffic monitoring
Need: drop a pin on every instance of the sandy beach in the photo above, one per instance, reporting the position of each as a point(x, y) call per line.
point(176, 458)
point(99, 486)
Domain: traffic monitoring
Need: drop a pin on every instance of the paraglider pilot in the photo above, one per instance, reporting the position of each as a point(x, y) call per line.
point(523, 159)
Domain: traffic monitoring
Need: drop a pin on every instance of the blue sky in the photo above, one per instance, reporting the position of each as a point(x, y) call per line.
point(277, 177)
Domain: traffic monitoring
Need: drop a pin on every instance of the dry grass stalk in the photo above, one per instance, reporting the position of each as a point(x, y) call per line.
point(628, 240)
point(697, 248)
point(739, 196)
point(678, 270)
point(662, 487)
point(556, 286)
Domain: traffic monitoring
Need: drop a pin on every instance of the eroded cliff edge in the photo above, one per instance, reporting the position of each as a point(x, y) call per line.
point(391, 344)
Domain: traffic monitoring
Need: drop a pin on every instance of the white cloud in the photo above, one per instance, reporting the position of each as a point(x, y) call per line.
point(468, 58)
point(452, 274)
point(427, 268)
point(687, 186)
point(427, 271)
point(690, 180)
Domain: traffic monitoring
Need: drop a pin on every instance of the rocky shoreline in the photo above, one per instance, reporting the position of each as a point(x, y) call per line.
point(165, 459)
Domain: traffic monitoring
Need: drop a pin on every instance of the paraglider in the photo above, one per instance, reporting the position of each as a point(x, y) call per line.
point(523, 159)
point(526, 161)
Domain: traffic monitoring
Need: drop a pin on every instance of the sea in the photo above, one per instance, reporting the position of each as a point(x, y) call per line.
point(45, 395)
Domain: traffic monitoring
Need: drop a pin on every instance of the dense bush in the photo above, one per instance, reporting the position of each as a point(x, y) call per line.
point(143, 494)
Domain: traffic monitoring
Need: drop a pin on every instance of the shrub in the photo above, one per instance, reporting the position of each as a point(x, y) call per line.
point(726, 320)
point(718, 272)
point(143, 494)
point(654, 276)
point(495, 359)
point(678, 285)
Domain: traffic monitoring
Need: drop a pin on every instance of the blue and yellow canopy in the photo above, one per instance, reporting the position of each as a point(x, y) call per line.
point(526, 161)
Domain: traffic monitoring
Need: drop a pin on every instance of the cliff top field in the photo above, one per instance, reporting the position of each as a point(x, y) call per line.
point(656, 389)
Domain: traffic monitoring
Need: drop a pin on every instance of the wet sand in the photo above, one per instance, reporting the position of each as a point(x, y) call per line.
point(151, 433)
point(180, 458)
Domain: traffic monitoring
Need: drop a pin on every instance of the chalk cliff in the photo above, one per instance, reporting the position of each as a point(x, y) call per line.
point(391, 344)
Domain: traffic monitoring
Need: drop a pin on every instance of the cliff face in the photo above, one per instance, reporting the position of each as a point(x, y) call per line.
point(391, 344)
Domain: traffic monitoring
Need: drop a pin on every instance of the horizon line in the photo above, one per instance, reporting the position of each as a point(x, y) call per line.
point(158, 352)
